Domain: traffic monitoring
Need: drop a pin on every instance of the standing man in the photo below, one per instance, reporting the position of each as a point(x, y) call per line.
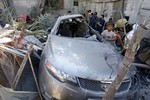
point(94, 20)
point(88, 16)
point(100, 24)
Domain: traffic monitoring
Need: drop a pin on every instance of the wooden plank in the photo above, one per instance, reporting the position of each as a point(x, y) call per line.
point(18, 75)
point(18, 60)
point(126, 63)
point(12, 50)
point(4, 32)
point(33, 72)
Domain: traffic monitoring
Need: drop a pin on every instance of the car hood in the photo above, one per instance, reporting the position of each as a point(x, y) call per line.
point(84, 58)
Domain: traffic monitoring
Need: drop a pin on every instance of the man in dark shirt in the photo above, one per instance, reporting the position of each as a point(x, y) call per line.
point(94, 20)
point(100, 24)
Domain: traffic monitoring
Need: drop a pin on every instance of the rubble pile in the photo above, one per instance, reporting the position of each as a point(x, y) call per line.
point(40, 26)
point(24, 31)
point(21, 42)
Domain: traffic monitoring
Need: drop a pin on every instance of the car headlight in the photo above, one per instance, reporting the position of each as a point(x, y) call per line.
point(61, 76)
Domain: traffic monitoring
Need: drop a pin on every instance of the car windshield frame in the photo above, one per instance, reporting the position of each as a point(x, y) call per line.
point(89, 30)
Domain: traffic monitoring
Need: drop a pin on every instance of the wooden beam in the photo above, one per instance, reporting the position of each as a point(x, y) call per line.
point(18, 75)
point(33, 72)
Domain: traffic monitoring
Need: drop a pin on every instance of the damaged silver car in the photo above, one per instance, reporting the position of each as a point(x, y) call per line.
point(76, 64)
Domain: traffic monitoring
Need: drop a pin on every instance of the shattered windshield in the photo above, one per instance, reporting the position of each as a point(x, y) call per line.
point(75, 27)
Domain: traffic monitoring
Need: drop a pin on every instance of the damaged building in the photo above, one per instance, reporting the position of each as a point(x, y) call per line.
point(109, 8)
point(131, 8)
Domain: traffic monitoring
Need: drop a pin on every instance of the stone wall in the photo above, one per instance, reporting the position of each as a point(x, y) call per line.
point(1, 5)
point(138, 10)
point(135, 9)
point(24, 6)
point(106, 7)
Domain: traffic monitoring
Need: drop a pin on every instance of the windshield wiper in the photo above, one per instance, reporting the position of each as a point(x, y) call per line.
point(99, 37)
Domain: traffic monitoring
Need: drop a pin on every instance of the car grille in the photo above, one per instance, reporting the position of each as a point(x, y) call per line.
point(97, 86)
point(90, 85)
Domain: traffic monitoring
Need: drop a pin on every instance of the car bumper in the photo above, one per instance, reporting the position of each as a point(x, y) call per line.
point(52, 88)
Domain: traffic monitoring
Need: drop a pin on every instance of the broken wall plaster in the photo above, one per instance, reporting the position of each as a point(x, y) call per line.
point(106, 8)
point(1, 5)
point(131, 8)
point(23, 7)
point(137, 10)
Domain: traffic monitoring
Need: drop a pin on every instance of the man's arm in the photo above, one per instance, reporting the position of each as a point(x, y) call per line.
point(120, 40)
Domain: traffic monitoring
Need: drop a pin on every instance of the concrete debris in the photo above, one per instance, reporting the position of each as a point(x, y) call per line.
point(5, 40)
point(5, 32)
point(13, 50)
point(31, 39)
point(15, 39)
point(10, 94)
point(12, 61)
point(17, 80)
